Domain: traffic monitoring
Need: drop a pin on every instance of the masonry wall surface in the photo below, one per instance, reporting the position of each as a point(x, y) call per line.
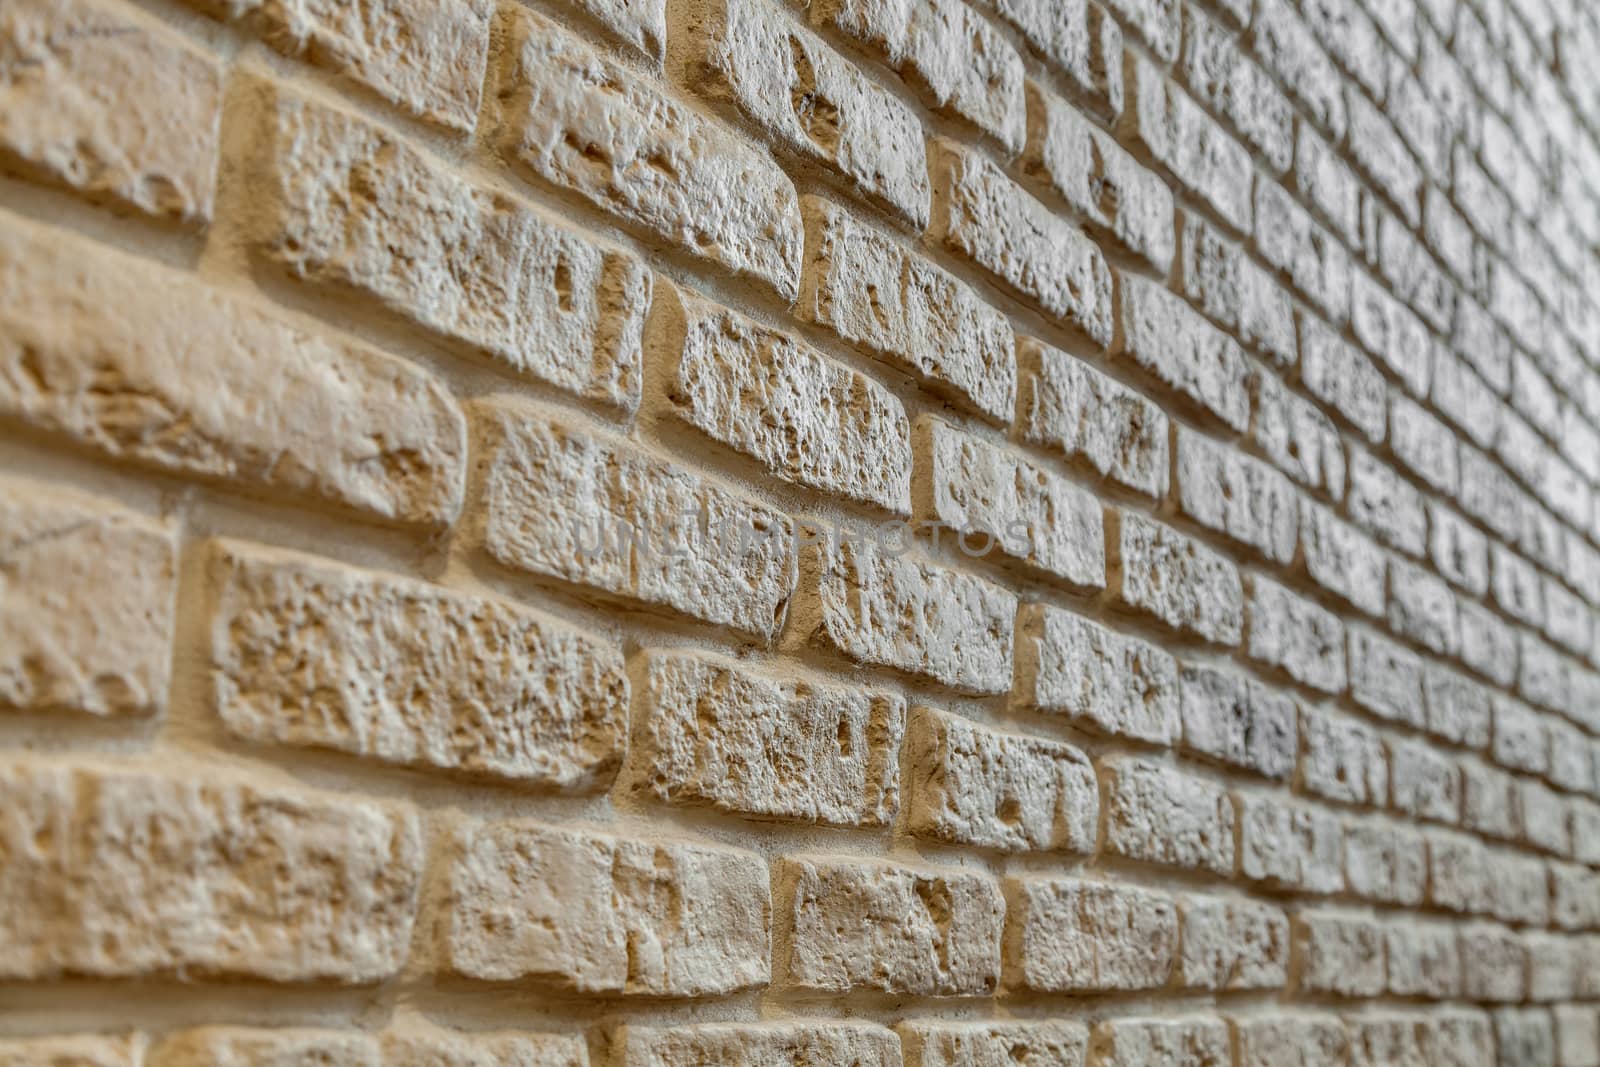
point(425, 631)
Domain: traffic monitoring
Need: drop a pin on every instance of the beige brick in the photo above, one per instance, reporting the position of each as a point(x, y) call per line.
point(994, 1044)
point(709, 734)
point(1577, 1032)
point(1231, 944)
point(976, 786)
point(1166, 122)
point(1167, 339)
point(1342, 759)
point(1103, 680)
point(1009, 505)
point(1425, 782)
point(1290, 1041)
point(1458, 874)
point(1519, 888)
point(1186, 1041)
point(956, 60)
point(1295, 635)
point(868, 924)
point(1238, 721)
point(1287, 845)
point(225, 391)
point(1574, 897)
point(595, 913)
point(1546, 822)
point(1386, 1038)
point(1489, 799)
point(578, 507)
point(1234, 494)
point(1342, 559)
point(1385, 678)
point(984, 216)
point(86, 1051)
point(1177, 580)
point(1098, 179)
point(1296, 436)
point(588, 125)
point(1341, 955)
point(1096, 422)
point(130, 873)
point(805, 97)
point(1459, 1038)
point(1552, 967)
point(889, 302)
point(1525, 1036)
point(108, 104)
point(1072, 936)
point(1080, 42)
point(1384, 863)
point(1158, 815)
point(1225, 283)
point(403, 1046)
point(1155, 22)
point(468, 265)
point(1222, 77)
point(1424, 960)
point(953, 628)
point(1339, 375)
point(1312, 258)
point(782, 1044)
point(390, 669)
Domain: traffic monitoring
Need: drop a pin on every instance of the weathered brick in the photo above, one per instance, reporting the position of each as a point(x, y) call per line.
point(1296, 636)
point(803, 417)
point(1384, 863)
point(1552, 967)
point(402, 1046)
point(1425, 783)
point(1458, 710)
point(1385, 504)
point(1574, 899)
point(1391, 332)
point(1238, 721)
point(1457, 549)
point(1351, 39)
point(1519, 888)
point(1422, 608)
point(1229, 492)
point(1386, 678)
point(879, 609)
point(1297, 437)
point(1525, 1037)
point(1232, 945)
point(1301, 250)
point(805, 97)
point(976, 786)
point(1424, 960)
point(582, 508)
point(1103, 680)
point(1520, 741)
point(1169, 340)
point(112, 106)
point(1494, 964)
point(982, 1044)
point(1323, 179)
point(1098, 179)
point(709, 734)
point(825, 1044)
point(1341, 955)
point(1379, 152)
point(1158, 815)
point(1515, 585)
point(99, 1050)
point(1342, 759)
point(1570, 765)
point(1186, 1041)
point(1489, 495)
point(1542, 676)
point(956, 60)
point(1464, 398)
point(1458, 1038)
point(1289, 1041)
point(1165, 122)
point(1341, 559)
point(125, 872)
point(1489, 800)
point(1071, 936)
point(1487, 644)
point(1458, 874)
point(1411, 271)
point(1386, 1038)
point(1223, 78)
point(889, 302)
point(600, 914)
point(1482, 343)
point(874, 925)
point(1423, 443)
point(1342, 378)
point(1156, 22)
point(226, 391)
point(1225, 283)
point(1290, 846)
point(981, 214)
point(1567, 618)
point(1577, 1035)
point(1026, 512)
point(1177, 580)
point(588, 125)
point(1096, 422)
point(1546, 824)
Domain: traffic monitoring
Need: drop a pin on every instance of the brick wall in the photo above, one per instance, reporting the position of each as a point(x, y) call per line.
point(424, 637)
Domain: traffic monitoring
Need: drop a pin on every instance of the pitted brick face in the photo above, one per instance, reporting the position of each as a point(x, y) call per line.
point(758, 533)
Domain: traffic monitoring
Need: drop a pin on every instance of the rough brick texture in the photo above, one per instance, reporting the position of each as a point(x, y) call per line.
point(800, 533)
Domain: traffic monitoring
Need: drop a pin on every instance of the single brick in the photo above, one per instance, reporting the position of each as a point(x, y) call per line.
point(1449, 236)
point(1187, 1041)
point(1458, 874)
point(869, 924)
point(128, 873)
point(1387, 505)
point(805, 418)
point(1170, 341)
point(1342, 759)
point(1342, 559)
point(957, 61)
point(1567, 618)
point(1384, 863)
point(1222, 77)
point(1457, 549)
point(1494, 964)
point(1390, 332)
point(1323, 179)
point(976, 786)
point(1424, 960)
point(1423, 443)
point(1552, 967)
point(1232, 945)
point(1577, 1034)
point(1352, 40)
point(1165, 122)
point(1286, 47)
point(1383, 157)
point(1290, 846)
point(1542, 676)
point(1519, 888)
point(1482, 343)
point(1024, 511)
point(1340, 955)
point(1546, 821)
point(1225, 283)
point(1113, 193)
point(1155, 22)
point(1525, 1037)
point(1585, 830)
point(982, 1044)
point(1422, 608)
point(1103, 680)
point(1412, 273)
point(1342, 378)
point(1289, 1041)
point(1295, 635)
point(1489, 798)
point(1177, 580)
point(402, 1046)
point(1311, 258)
point(984, 216)
point(1571, 767)
point(1515, 585)
point(1520, 740)
point(1158, 815)
point(1574, 898)
point(1064, 935)
point(1227, 491)
point(879, 609)
point(588, 125)
point(1489, 494)
point(1079, 41)
point(1387, 1038)
point(1487, 644)
point(112, 106)
point(595, 913)
point(224, 391)
point(1296, 436)
point(709, 734)
point(1386, 678)
point(823, 1044)
point(406, 672)
point(889, 302)
point(805, 97)
point(1238, 721)
point(1096, 422)
point(578, 507)
point(1425, 782)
